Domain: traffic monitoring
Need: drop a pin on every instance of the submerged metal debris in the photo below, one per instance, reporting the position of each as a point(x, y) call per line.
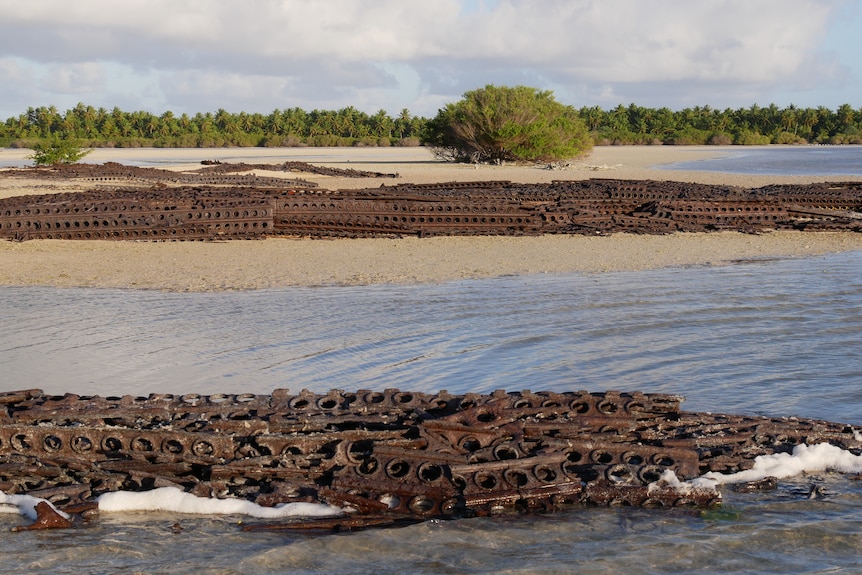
point(392, 456)
point(219, 205)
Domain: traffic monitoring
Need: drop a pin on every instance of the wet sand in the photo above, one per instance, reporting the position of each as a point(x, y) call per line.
point(281, 262)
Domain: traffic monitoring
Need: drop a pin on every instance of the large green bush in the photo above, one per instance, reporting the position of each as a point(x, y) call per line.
point(499, 124)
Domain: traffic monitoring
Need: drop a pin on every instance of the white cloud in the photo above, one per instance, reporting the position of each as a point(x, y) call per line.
point(634, 41)
point(293, 29)
point(11, 71)
point(77, 78)
point(340, 51)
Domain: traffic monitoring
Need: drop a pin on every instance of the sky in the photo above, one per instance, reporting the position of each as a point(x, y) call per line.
point(190, 56)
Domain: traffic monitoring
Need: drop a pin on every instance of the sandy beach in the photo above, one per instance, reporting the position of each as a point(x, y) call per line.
point(281, 262)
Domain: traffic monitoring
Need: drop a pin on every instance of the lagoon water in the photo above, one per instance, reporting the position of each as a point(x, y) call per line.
point(781, 161)
point(754, 160)
point(777, 337)
point(771, 336)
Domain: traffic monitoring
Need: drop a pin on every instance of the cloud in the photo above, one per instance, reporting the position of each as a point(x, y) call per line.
point(18, 82)
point(165, 32)
point(76, 78)
point(262, 54)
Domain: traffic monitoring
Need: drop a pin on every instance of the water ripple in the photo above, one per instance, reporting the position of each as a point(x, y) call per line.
point(774, 337)
point(779, 337)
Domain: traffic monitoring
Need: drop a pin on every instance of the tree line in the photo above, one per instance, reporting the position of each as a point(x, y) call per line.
point(754, 125)
point(98, 127)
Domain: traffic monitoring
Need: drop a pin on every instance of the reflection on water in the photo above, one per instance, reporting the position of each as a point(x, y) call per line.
point(782, 161)
point(173, 157)
point(778, 337)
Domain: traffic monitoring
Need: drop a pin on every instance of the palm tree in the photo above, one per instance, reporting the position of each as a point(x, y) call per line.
point(275, 123)
point(348, 120)
point(185, 123)
point(107, 128)
point(225, 121)
point(297, 122)
point(204, 122)
point(151, 126)
point(789, 119)
point(402, 123)
point(381, 124)
point(663, 123)
point(168, 125)
point(245, 123)
point(810, 117)
point(845, 116)
point(592, 117)
point(126, 127)
point(825, 124)
point(70, 124)
point(619, 119)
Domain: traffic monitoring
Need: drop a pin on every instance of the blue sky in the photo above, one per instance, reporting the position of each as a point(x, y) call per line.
point(190, 56)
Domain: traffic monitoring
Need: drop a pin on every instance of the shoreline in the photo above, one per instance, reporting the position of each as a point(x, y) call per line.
point(418, 165)
point(287, 262)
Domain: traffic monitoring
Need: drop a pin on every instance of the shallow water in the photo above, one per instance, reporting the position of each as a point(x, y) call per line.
point(754, 160)
point(172, 157)
point(774, 336)
point(779, 330)
point(782, 161)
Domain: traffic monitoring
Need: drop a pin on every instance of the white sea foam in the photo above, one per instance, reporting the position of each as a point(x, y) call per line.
point(23, 505)
point(669, 479)
point(174, 500)
point(177, 501)
point(803, 459)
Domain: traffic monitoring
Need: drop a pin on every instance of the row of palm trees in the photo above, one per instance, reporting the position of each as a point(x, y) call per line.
point(98, 127)
point(704, 125)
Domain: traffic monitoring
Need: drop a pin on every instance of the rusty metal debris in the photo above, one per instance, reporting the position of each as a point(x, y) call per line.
point(46, 518)
point(113, 174)
point(209, 206)
point(291, 166)
point(392, 456)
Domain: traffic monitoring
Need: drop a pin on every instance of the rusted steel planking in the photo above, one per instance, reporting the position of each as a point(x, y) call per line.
point(397, 454)
point(264, 209)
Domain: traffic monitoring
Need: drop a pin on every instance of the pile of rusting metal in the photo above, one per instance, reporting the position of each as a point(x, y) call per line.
point(290, 166)
point(391, 456)
point(220, 205)
point(213, 172)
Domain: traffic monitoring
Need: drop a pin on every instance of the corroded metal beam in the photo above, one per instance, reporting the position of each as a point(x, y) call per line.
point(395, 455)
point(263, 208)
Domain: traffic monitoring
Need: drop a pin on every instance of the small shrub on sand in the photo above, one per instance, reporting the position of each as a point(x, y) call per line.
point(57, 151)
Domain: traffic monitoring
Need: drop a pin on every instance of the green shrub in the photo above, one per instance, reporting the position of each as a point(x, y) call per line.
point(501, 124)
point(57, 151)
point(408, 142)
point(365, 141)
point(749, 138)
point(789, 138)
point(687, 136)
point(720, 139)
point(328, 141)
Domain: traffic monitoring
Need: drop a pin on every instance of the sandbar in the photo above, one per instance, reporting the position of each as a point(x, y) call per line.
point(285, 262)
